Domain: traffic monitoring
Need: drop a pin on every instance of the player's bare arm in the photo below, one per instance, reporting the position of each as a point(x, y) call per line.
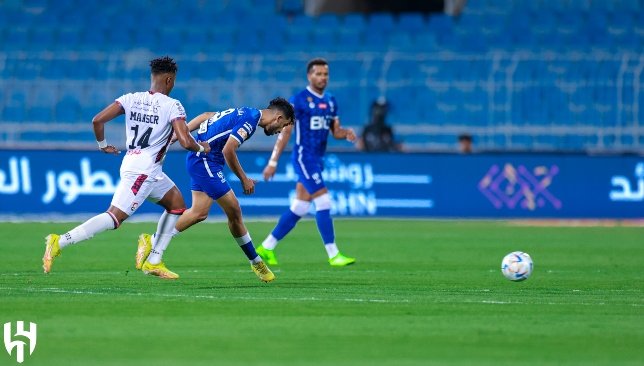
point(197, 121)
point(340, 133)
point(194, 124)
point(185, 138)
point(107, 114)
point(280, 145)
point(230, 154)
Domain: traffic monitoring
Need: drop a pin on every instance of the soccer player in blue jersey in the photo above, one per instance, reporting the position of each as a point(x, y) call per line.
point(225, 131)
point(316, 113)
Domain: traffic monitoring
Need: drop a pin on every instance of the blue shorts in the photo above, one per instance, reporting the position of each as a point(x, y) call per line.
point(309, 174)
point(206, 176)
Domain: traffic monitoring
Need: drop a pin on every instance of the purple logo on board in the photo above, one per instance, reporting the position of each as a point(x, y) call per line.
point(519, 187)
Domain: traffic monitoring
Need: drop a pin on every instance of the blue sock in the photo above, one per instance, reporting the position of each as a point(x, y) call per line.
point(249, 250)
point(285, 224)
point(246, 244)
point(325, 226)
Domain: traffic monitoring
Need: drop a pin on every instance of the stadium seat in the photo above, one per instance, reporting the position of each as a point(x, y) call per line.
point(381, 22)
point(490, 66)
point(354, 21)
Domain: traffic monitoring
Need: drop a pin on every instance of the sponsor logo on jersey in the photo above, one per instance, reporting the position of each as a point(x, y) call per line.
point(241, 132)
point(322, 105)
point(180, 108)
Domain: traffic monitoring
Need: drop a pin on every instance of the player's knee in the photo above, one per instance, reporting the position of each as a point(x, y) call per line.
point(299, 207)
point(322, 202)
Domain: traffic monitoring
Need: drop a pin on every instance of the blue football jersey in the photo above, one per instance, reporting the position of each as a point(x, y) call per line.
point(313, 117)
point(239, 123)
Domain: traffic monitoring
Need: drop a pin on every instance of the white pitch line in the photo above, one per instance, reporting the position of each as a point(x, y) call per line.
point(264, 298)
point(209, 297)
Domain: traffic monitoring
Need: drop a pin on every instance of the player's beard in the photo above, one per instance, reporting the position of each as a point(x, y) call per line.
point(269, 131)
point(321, 85)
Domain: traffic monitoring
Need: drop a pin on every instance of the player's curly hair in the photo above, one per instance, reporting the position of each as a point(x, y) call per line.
point(283, 106)
point(315, 62)
point(163, 65)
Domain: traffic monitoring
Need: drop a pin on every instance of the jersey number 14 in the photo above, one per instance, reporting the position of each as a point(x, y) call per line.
point(144, 140)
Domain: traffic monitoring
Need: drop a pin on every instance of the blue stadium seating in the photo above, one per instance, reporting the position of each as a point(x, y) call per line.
point(528, 63)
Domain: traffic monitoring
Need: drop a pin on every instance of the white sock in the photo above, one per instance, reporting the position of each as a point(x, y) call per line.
point(88, 229)
point(331, 249)
point(161, 240)
point(270, 242)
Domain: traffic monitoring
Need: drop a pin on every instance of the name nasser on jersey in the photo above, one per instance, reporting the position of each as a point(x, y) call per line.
point(142, 117)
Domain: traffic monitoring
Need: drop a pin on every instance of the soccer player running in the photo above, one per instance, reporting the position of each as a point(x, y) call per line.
point(150, 119)
point(225, 132)
point(316, 112)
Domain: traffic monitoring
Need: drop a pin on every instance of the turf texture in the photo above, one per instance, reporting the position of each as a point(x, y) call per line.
point(421, 293)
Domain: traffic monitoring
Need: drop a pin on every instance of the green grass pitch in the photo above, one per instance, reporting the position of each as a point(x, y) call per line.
point(421, 293)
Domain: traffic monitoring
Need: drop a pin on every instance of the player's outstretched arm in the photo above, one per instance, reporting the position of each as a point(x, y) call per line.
point(230, 154)
point(197, 121)
point(185, 138)
point(340, 133)
point(98, 122)
point(280, 145)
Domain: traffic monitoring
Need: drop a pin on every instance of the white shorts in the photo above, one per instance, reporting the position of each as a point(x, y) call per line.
point(133, 189)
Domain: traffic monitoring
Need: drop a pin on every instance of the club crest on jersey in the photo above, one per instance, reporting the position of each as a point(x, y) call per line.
point(311, 105)
point(241, 132)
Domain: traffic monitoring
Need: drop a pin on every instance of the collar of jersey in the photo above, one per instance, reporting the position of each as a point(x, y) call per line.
point(313, 92)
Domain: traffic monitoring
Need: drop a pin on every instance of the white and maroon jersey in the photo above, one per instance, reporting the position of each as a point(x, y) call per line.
point(148, 129)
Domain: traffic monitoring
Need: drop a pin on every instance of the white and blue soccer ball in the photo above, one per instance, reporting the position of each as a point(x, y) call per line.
point(517, 266)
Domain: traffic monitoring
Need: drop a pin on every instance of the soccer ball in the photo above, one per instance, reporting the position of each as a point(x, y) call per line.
point(516, 266)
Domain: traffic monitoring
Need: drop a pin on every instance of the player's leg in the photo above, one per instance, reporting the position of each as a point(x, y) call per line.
point(198, 212)
point(230, 205)
point(323, 219)
point(299, 208)
point(130, 193)
point(167, 195)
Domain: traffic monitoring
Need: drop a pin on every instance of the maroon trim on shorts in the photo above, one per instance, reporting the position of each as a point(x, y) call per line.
point(137, 184)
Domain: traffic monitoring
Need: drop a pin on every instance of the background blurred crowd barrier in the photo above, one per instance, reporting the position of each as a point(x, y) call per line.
point(370, 185)
point(517, 74)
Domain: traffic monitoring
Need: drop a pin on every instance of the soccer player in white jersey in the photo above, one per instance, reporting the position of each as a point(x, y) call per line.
point(151, 117)
point(226, 131)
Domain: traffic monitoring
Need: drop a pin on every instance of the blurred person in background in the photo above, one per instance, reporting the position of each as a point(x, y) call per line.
point(225, 132)
point(150, 118)
point(377, 135)
point(316, 113)
point(465, 142)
